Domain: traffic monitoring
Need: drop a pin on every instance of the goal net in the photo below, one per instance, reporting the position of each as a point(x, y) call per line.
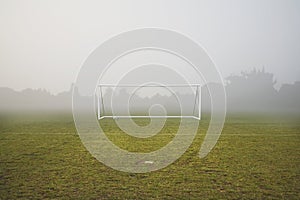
point(148, 101)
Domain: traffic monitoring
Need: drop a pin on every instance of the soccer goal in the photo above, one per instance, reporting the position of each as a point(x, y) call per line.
point(148, 101)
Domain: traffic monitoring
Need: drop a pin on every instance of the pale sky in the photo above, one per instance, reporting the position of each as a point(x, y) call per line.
point(44, 43)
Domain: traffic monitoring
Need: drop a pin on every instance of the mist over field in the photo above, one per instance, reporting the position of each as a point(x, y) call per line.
point(251, 91)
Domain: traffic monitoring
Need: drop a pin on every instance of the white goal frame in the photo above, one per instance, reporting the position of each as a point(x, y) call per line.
point(99, 98)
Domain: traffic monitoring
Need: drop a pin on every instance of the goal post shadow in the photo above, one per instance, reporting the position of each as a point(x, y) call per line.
point(195, 115)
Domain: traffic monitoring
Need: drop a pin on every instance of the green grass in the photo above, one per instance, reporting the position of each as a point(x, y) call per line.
point(255, 158)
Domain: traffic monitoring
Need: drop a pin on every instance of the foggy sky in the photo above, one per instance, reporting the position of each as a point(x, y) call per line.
point(44, 43)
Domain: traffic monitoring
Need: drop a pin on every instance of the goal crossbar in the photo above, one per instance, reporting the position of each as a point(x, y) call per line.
point(150, 85)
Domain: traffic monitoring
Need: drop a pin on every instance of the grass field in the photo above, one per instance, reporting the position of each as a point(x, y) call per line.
point(255, 158)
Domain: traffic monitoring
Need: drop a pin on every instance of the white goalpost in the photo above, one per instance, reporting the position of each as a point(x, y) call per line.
point(192, 100)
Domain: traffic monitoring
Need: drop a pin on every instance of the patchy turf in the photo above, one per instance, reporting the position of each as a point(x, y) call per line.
point(254, 159)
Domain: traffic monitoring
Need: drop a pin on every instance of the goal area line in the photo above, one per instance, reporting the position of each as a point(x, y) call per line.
point(149, 116)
